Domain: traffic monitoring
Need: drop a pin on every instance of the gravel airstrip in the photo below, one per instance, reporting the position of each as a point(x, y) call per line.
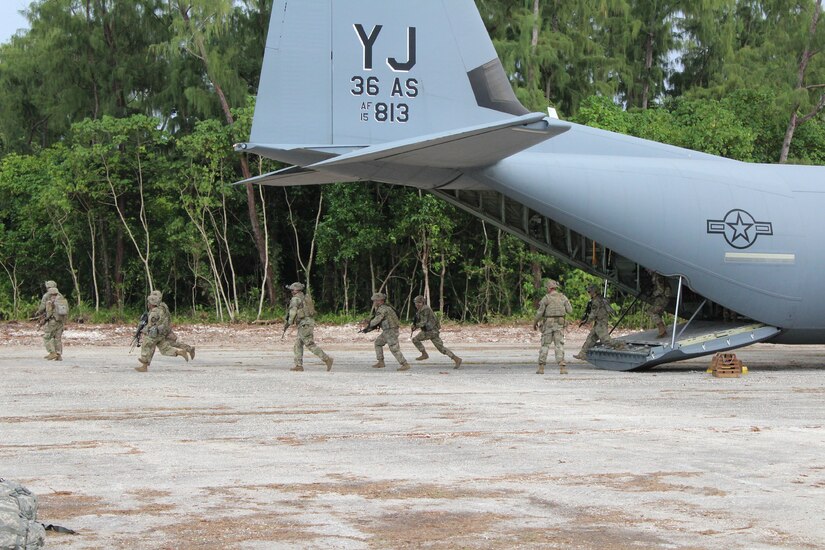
point(232, 450)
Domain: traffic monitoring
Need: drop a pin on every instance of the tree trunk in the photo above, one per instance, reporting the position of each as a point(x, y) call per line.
point(805, 59)
point(120, 253)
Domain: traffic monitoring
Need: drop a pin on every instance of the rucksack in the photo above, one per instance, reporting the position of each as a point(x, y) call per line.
point(61, 307)
point(309, 307)
point(19, 528)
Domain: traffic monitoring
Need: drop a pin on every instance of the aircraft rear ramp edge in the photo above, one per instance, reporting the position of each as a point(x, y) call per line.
point(643, 350)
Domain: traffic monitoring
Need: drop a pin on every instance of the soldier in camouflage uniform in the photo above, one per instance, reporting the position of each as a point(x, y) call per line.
point(301, 314)
point(600, 311)
point(172, 337)
point(550, 319)
point(156, 334)
point(386, 318)
point(426, 320)
point(659, 301)
point(52, 321)
point(42, 308)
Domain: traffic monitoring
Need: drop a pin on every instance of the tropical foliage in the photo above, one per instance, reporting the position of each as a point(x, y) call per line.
point(117, 119)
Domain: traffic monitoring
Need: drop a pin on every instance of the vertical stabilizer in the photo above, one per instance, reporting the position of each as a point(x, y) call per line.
point(363, 72)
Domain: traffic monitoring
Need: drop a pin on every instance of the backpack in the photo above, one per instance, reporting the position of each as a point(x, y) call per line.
point(18, 518)
point(61, 307)
point(309, 307)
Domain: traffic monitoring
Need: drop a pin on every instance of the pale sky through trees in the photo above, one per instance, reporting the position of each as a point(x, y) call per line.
point(11, 19)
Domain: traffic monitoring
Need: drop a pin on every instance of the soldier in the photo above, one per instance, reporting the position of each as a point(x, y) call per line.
point(172, 337)
point(659, 301)
point(302, 314)
point(42, 308)
point(157, 331)
point(426, 320)
point(550, 315)
point(53, 311)
point(600, 310)
point(385, 317)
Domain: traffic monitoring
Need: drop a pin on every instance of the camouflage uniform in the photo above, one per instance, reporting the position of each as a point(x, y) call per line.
point(172, 337)
point(53, 323)
point(386, 318)
point(426, 320)
point(42, 308)
point(659, 301)
point(600, 311)
point(156, 334)
point(301, 315)
point(550, 314)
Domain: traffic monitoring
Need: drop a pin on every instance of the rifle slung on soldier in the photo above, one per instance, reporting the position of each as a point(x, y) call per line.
point(587, 311)
point(144, 320)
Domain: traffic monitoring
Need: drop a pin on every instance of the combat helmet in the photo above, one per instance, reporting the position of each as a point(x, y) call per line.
point(295, 286)
point(378, 296)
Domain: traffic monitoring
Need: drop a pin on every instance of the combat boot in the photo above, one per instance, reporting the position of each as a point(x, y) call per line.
point(562, 367)
point(143, 366)
point(457, 360)
point(662, 330)
point(58, 357)
point(404, 366)
point(328, 362)
point(182, 353)
point(297, 368)
point(191, 351)
point(540, 370)
point(50, 356)
point(422, 356)
point(379, 365)
point(581, 356)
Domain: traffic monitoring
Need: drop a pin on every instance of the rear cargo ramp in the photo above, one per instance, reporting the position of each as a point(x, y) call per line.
point(644, 351)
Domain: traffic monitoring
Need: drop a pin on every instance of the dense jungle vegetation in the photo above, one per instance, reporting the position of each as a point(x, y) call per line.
point(117, 119)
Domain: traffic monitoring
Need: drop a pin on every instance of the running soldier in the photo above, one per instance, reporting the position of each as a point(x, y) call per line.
point(426, 320)
point(157, 331)
point(302, 314)
point(550, 320)
point(173, 338)
point(600, 311)
point(659, 301)
point(386, 318)
point(53, 312)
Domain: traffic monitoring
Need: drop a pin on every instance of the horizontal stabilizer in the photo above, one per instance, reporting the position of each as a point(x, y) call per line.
point(471, 147)
point(295, 175)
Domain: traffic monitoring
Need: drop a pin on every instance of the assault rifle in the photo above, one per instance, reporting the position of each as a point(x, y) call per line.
point(144, 319)
point(414, 323)
point(366, 328)
point(586, 313)
point(40, 318)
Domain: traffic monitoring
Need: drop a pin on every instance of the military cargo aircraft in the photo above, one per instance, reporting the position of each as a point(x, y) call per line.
point(413, 93)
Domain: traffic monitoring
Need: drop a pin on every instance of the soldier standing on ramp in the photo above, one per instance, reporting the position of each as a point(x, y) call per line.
point(426, 320)
point(600, 311)
point(659, 301)
point(53, 310)
point(550, 319)
point(302, 314)
point(158, 328)
point(385, 317)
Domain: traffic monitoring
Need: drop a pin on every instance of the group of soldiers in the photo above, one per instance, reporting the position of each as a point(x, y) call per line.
point(553, 309)
point(301, 314)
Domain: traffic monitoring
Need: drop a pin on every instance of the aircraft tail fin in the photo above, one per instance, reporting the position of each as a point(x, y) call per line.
point(365, 72)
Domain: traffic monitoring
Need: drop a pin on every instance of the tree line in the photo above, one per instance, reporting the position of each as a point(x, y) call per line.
point(116, 167)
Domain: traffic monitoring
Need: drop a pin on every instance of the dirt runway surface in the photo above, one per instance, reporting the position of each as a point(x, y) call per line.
point(232, 450)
